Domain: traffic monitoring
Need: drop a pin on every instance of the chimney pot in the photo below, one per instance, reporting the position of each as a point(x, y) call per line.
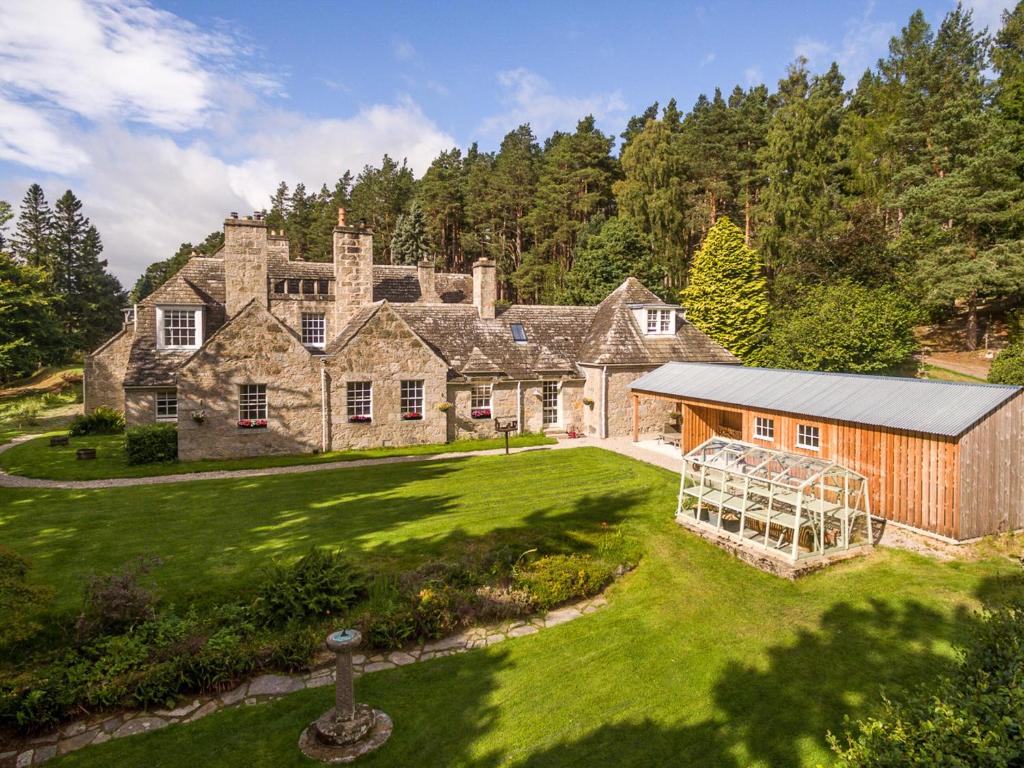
point(341, 217)
point(234, 214)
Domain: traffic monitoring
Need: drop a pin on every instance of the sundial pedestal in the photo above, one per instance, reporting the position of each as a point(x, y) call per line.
point(347, 730)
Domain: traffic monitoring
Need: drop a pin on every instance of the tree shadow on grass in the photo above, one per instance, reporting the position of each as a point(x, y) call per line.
point(836, 670)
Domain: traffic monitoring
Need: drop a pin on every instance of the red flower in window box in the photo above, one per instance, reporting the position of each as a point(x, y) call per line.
point(252, 423)
point(481, 413)
point(360, 419)
point(412, 416)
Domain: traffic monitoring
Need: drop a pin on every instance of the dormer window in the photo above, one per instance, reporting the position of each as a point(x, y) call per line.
point(179, 327)
point(518, 333)
point(660, 321)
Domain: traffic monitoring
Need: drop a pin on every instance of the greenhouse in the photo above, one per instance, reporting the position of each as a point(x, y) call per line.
point(790, 506)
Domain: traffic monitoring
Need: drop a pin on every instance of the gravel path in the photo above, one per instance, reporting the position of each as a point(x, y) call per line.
point(17, 481)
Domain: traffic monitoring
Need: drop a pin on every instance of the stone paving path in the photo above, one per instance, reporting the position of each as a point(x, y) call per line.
point(17, 481)
point(97, 730)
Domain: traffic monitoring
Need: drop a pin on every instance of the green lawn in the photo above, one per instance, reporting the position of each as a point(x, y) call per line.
point(35, 458)
point(945, 374)
point(697, 660)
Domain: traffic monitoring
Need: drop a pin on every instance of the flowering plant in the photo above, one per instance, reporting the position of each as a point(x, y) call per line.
point(481, 413)
point(198, 416)
point(252, 423)
point(359, 419)
point(588, 401)
point(444, 407)
point(412, 416)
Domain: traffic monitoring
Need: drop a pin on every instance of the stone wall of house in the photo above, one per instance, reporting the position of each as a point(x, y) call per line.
point(653, 413)
point(140, 406)
point(245, 263)
point(289, 311)
point(504, 403)
point(386, 352)
point(104, 373)
point(592, 390)
point(254, 349)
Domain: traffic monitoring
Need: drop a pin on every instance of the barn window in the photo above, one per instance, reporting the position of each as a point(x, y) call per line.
point(764, 428)
point(808, 437)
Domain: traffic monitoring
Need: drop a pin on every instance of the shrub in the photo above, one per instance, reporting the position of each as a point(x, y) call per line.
point(387, 619)
point(151, 444)
point(971, 717)
point(27, 413)
point(118, 601)
point(20, 602)
point(555, 579)
point(319, 584)
point(1008, 367)
point(101, 421)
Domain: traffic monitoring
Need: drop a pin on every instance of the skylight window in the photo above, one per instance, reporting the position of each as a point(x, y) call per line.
point(518, 333)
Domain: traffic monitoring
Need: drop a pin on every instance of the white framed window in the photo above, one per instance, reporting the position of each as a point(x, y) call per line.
point(167, 405)
point(314, 329)
point(359, 400)
point(481, 397)
point(412, 398)
point(659, 321)
point(179, 327)
point(549, 402)
point(252, 402)
point(764, 428)
point(808, 437)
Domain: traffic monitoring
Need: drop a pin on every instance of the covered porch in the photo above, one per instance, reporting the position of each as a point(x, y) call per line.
point(798, 510)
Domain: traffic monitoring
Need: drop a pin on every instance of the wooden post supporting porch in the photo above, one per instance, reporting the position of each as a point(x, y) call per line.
point(636, 418)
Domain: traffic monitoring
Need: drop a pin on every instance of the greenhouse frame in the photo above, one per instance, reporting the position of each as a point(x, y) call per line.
point(790, 506)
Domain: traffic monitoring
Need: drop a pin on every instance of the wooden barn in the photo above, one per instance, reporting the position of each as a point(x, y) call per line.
point(942, 457)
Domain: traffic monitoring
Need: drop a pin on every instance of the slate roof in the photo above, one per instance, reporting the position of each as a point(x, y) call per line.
point(559, 338)
point(616, 339)
point(918, 405)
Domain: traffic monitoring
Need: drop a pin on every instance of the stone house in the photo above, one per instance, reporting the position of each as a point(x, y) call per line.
point(251, 352)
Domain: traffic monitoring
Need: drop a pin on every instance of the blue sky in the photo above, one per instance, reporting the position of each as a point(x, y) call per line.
point(163, 117)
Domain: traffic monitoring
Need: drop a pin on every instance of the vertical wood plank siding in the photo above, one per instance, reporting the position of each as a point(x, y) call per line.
point(991, 474)
point(914, 478)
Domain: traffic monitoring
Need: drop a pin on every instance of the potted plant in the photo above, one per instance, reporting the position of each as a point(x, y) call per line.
point(412, 416)
point(588, 401)
point(444, 407)
point(198, 416)
point(480, 413)
point(359, 419)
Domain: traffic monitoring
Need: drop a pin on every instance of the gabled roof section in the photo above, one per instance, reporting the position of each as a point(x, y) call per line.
point(616, 339)
point(478, 362)
point(254, 310)
point(401, 285)
point(918, 405)
point(352, 328)
point(179, 290)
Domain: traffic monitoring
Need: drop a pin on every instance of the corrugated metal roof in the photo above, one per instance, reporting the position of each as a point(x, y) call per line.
point(935, 407)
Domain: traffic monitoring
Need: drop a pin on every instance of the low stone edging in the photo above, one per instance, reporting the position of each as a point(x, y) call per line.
point(97, 730)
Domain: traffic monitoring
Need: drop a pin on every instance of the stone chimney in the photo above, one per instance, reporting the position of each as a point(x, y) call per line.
point(428, 289)
point(353, 269)
point(245, 262)
point(485, 287)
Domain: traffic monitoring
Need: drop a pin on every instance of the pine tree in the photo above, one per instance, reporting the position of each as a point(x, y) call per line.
point(6, 214)
point(32, 234)
point(299, 222)
point(379, 196)
point(409, 244)
point(442, 197)
point(727, 296)
point(29, 332)
point(513, 189)
point(1008, 61)
point(160, 272)
point(605, 258)
point(280, 206)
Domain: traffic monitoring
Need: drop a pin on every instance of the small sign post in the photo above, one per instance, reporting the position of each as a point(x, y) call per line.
point(506, 426)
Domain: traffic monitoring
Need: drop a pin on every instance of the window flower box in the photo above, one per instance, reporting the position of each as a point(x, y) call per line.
point(412, 416)
point(480, 413)
point(360, 419)
point(252, 423)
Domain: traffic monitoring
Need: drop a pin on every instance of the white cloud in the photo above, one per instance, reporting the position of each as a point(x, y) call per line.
point(529, 98)
point(863, 42)
point(162, 129)
point(753, 76)
point(403, 50)
point(708, 59)
point(988, 13)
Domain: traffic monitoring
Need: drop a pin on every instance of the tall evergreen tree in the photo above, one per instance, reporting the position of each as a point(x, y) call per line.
point(6, 214)
point(32, 233)
point(1008, 61)
point(607, 257)
point(409, 244)
point(379, 196)
point(727, 296)
point(513, 190)
point(442, 197)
